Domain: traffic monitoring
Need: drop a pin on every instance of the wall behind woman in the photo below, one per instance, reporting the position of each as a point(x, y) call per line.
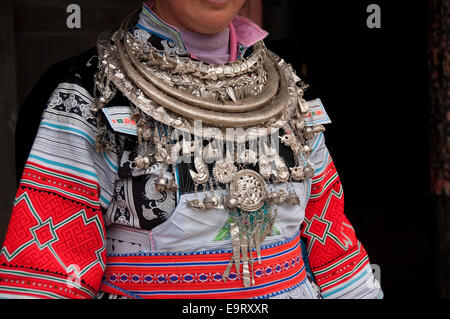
point(439, 75)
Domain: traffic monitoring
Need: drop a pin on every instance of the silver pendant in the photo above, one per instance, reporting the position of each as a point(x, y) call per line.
point(161, 184)
point(250, 189)
point(293, 199)
point(279, 197)
point(303, 105)
point(195, 204)
point(202, 174)
point(291, 141)
point(224, 172)
point(142, 162)
point(309, 171)
point(210, 202)
point(265, 167)
point(282, 173)
point(297, 173)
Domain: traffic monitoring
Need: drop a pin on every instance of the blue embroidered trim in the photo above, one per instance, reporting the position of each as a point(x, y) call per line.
point(122, 290)
point(215, 291)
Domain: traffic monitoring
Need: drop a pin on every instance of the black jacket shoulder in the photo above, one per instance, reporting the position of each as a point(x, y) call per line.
point(73, 70)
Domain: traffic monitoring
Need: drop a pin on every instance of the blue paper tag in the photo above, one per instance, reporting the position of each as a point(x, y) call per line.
point(119, 118)
point(317, 115)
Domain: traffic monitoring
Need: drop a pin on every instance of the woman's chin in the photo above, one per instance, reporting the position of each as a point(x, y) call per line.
point(209, 24)
point(217, 3)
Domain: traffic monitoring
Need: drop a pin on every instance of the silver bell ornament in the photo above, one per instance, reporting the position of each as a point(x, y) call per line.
point(142, 162)
point(309, 133)
point(297, 173)
point(161, 184)
point(195, 204)
point(307, 150)
point(309, 172)
point(293, 199)
point(208, 203)
point(231, 202)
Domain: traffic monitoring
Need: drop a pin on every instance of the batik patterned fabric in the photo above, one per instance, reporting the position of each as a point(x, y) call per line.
point(55, 245)
point(136, 202)
point(337, 259)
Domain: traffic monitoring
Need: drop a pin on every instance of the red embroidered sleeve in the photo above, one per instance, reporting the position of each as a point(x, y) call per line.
point(339, 262)
point(55, 245)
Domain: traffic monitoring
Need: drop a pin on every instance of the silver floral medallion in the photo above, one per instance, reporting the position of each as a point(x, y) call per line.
point(224, 171)
point(250, 189)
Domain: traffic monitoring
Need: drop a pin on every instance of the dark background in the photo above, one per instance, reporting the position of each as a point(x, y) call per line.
point(373, 83)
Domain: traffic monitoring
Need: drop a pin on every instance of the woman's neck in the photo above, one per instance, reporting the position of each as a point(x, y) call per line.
point(212, 49)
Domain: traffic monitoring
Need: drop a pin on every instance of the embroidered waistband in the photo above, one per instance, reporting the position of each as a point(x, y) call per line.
point(200, 274)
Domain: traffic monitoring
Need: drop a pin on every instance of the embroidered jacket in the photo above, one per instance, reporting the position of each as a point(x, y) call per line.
point(57, 241)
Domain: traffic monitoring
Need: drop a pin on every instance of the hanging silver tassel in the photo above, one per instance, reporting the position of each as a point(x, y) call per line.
point(236, 258)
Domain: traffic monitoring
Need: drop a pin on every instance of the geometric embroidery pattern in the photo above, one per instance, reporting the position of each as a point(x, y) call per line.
point(45, 235)
point(55, 245)
point(193, 275)
point(319, 227)
point(334, 252)
point(53, 234)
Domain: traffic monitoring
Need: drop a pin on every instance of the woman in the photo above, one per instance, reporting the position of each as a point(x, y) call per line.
point(195, 168)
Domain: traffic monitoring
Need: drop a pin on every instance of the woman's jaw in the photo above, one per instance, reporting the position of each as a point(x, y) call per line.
point(200, 16)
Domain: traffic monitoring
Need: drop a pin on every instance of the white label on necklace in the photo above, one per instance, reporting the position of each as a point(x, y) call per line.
point(317, 115)
point(119, 118)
